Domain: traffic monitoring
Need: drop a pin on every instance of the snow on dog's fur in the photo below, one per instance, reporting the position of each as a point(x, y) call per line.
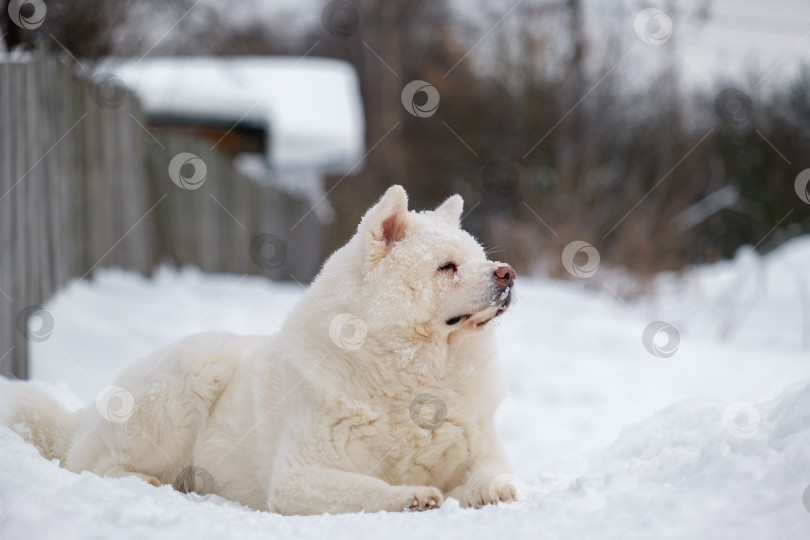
point(377, 394)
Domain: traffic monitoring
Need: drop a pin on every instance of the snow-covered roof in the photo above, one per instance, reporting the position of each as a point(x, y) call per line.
point(311, 106)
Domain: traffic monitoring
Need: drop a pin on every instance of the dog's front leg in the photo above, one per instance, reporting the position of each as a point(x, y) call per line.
point(316, 490)
point(489, 480)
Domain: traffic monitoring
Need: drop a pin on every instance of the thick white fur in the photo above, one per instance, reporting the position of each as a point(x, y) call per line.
point(298, 424)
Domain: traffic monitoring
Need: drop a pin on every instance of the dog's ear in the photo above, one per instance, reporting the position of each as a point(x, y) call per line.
point(384, 223)
point(450, 210)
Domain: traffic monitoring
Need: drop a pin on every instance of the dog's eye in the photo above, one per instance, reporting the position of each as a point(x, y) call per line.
point(448, 266)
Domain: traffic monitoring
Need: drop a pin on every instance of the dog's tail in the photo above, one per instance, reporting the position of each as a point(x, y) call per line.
point(37, 417)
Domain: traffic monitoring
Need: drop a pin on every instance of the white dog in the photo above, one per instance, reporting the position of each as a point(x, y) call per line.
point(377, 394)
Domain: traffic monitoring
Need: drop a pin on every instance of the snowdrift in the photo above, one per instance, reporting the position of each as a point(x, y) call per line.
point(611, 441)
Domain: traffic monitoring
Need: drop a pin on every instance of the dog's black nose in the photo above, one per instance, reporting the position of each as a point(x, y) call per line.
point(505, 275)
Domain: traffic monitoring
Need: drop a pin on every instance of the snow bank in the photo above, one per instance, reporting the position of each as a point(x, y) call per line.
point(679, 474)
point(611, 441)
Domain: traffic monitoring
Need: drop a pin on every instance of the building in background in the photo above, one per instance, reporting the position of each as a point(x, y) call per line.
point(287, 121)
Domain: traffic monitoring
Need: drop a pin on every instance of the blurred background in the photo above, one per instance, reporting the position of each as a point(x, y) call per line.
point(169, 167)
point(249, 137)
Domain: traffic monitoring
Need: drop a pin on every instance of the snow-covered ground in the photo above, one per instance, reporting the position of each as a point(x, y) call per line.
point(711, 442)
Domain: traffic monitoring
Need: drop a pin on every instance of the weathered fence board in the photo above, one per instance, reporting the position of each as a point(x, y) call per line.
point(84, 186)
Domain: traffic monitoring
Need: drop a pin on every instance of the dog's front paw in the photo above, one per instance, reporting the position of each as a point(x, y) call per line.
point(423, 498)
point(490, 490)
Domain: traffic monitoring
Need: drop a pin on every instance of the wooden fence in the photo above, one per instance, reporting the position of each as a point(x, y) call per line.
point(85, 186)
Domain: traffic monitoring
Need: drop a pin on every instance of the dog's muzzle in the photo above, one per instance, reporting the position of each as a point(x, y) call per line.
point(504, 281)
